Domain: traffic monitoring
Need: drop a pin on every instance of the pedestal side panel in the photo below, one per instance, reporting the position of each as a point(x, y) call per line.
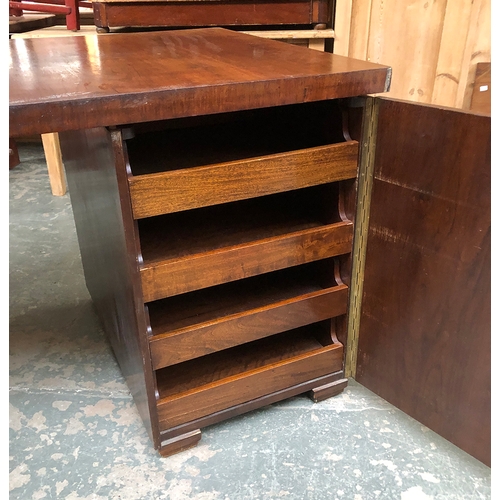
point(101, 206)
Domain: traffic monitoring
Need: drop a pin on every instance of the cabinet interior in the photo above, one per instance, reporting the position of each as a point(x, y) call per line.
point(204, 140)
point(192, 232)
point(212, 335)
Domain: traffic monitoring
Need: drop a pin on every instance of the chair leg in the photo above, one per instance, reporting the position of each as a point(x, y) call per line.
point(54, 163)
point(73, 18)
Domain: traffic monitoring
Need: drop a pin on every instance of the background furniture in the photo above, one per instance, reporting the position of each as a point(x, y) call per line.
point(69, 8)
point(30, 21)
point(229, 13)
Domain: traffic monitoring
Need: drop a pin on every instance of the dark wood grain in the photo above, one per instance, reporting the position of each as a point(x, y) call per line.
point(187, 233)
point(98, 189)
point(171, 277)
point(180, 443)
point(136, 77)
point(210, 185)
point(213, 303)
point(227, 331)
point(329, 390)
point(199, 387)
point(424, 340)
point(247, 195)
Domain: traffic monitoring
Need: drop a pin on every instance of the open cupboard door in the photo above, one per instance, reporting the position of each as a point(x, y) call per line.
point(423, 299)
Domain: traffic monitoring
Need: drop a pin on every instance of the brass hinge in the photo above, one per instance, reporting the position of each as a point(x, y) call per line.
point(364, 192)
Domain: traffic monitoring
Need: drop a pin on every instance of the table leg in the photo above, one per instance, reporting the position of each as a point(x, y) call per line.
point(55, 166)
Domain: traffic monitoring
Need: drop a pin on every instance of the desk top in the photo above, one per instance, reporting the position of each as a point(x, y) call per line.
point(82, 82)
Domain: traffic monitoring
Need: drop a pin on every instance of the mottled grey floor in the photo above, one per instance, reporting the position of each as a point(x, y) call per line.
point(75, 432)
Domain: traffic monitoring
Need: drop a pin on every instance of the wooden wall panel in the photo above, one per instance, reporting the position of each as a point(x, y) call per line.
point(408, 33)
point(360, 32)
point(433, 46)
point(477, 49)
point(342, 21)
point(451, 54)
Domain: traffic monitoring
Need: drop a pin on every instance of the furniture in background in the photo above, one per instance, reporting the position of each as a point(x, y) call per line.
point(69, 8)
point(30, 21)
point(213, 211)
point(110, 14)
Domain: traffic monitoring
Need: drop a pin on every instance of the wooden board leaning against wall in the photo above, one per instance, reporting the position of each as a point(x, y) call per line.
point(433, 47)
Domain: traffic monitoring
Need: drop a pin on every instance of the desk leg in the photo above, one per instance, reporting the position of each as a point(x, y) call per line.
point(54, 163)
point(13, 154)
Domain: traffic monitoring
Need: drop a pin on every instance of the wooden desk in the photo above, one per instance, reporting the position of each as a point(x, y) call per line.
point(215, 178)
point(211, 184)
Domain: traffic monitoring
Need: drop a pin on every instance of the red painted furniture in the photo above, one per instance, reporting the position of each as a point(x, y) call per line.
point(70, 8)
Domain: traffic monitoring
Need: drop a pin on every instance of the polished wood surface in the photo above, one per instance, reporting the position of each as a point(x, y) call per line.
point(169, 433)
point(169, 277)
point(197, 388)
point(424, 339)
point(166, 145)
point(269, 330)
point(185, 189)
point(328, 390)
point(180, 443)
point(227, 329)
point(135, 77)
point(191, 233)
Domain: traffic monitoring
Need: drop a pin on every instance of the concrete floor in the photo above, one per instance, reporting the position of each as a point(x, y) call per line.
point(75, 432)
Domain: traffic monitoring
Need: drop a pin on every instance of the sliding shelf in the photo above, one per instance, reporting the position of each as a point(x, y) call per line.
point(196, 187)
point(200, 248)
point(203, 386)
point(209, 320)
point(240, 156)
point(183, 143)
